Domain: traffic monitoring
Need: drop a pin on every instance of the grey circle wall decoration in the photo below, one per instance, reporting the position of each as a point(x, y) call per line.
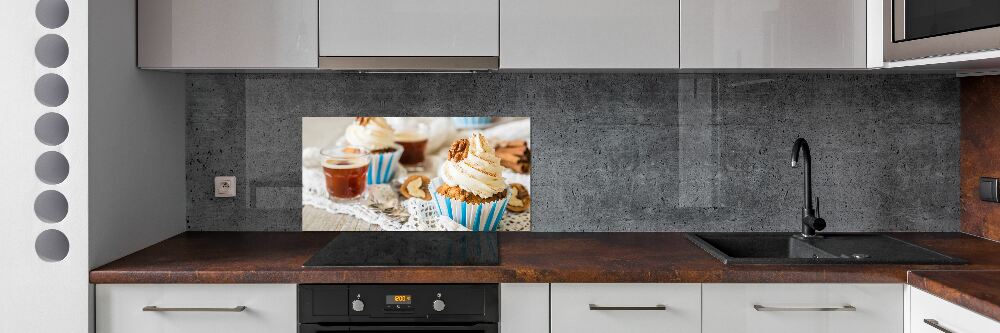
point(51, 51)
point(51, 206)
point(51, 129)
point(52, 167)
point(52, 13)
point(51, 90)
point(52, 245)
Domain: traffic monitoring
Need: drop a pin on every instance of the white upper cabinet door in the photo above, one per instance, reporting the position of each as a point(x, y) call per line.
point(227, 33)
point(625, 307)
point(774, 34)
point(802, 308)
point(409, 28)
point(589, 34)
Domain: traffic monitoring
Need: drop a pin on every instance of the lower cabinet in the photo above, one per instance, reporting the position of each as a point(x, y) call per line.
point(819, 308)
point(195, 308)
point(635, 308)
point(569, 308)
point(930, 314)
point(524, 308)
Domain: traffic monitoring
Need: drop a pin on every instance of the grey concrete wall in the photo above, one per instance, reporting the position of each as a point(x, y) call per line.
point(615, 152)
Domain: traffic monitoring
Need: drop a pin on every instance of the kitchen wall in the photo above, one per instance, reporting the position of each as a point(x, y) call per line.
point(980, 150)
point(616, 152)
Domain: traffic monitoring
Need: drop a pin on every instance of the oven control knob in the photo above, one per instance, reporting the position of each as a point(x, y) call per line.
point(358, 305)
point(438, 305)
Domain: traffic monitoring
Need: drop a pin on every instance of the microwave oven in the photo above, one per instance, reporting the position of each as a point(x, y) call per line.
point(915, 29)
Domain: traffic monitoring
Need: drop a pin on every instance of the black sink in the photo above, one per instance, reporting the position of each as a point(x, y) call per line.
point(836, 248)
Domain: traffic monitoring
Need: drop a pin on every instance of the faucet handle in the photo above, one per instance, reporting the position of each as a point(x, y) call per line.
point(817, 206)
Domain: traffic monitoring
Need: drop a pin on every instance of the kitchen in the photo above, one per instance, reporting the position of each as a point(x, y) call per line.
point(163, 156)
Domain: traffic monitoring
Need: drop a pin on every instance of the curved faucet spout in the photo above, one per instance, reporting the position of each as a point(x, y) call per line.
point(810, 222)
point(803, 146)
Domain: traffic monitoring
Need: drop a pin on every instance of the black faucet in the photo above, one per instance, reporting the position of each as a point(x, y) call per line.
point(810, 221)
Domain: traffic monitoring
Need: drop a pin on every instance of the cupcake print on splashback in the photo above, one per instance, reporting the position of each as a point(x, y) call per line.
point(375, 135)
point(416, 174)
point(471, 189)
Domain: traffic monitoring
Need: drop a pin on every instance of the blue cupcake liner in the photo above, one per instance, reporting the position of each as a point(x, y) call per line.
point(471, 122)
point(383, 166)
point(483, 217)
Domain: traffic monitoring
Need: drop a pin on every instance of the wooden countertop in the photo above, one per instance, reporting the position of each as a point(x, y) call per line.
point(277, 257)
point(978, 291)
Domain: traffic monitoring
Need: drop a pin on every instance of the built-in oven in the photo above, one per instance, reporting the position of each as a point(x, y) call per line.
point(386, 308)
point(916, 29)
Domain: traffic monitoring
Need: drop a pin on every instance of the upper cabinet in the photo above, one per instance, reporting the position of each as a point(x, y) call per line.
point(589, 34)
point(406, 28)
point(778, 34)
point(434, 35)
point(409, 35)
point(195, 34)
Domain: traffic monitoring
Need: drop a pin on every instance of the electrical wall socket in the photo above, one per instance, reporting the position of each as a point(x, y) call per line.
point(988, 189)
point(225, 187)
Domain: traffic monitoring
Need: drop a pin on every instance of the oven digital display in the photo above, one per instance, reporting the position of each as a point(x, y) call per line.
point(398, 299)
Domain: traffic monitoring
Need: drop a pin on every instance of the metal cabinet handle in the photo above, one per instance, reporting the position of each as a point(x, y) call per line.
point(159, 309)
point(935, 324)
point(759, 307)
point(595, 307)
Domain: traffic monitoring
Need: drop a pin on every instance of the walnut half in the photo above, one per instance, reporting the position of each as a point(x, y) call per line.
point(520, 200)
point(416, 186)
point(459, 150)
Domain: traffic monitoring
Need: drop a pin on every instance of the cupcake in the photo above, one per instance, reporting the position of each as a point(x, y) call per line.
point(471, 122)
point(470, 189)
point(375, 135)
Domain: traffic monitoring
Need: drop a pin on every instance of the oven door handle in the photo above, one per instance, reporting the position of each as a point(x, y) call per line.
point(485, 328)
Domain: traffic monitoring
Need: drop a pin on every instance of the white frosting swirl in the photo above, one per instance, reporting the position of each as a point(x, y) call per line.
point(375, 134)
point(479, 172)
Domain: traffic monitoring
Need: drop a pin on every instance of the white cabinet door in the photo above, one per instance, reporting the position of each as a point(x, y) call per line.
point(927, 310)
point(227, 33)
point(588, 34)
point(270, 308)
point(524, 308)
point(621, 307)
point(779, 307)
point(773, 33)
point(427, 28)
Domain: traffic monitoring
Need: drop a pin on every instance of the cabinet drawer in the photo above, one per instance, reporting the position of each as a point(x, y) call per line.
point(269, 308)
point(948, 316)
point(626, 308)
point(734, 308)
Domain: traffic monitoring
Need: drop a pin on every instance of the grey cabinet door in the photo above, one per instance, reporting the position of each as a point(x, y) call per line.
point(775, 34)
point(239, 34)
point(589, 34)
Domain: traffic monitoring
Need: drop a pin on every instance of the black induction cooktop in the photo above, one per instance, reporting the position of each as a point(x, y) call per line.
point(409, 248)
